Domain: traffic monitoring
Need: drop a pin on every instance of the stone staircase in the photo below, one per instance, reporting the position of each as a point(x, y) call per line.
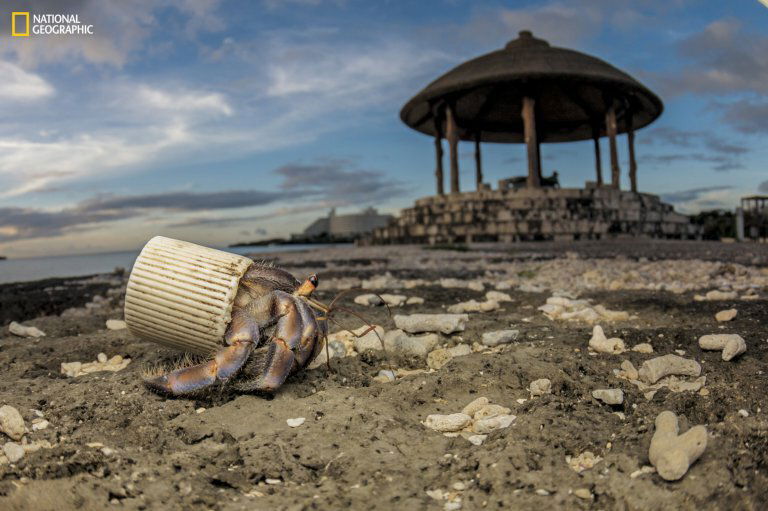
point(535, 214)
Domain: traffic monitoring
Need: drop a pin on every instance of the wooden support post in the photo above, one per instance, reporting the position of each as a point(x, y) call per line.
point(538, 159)
point(478, 163)
point(632, 161)
point(598, 162)
point(439, 155)
point(452, 135)
point(610, 123)
point(529, 124)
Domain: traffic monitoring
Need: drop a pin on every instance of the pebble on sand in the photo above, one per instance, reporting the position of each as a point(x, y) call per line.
point(13, 451)
point(715, 295)
point(726, 315)
point(438, 358)
point(295, 423)
point(486, 425)
point(369, 341)
point(445, 323)
point(732, 345)
point(498, 296)
point(583, 493)
point(673, 454)
point(643, 347)
point(561, 307)
point(385, 376)
point(39, 424)
point(474, 285)
point(448, 423)
point(609, 396)
point(627, 371)
point(475, 421)
point(74, 369)
point(473, 306)
point(477, 439)
point(368, 299)
point(582, 462)
point(11, 422)
point(417, 346)
point(540, 387)
point(391, 300)
point(25, 331)
point(475, 405)
point(657, 368)
point(500, 337)
point(441, 356)
point(116, 324)
point(601, 344)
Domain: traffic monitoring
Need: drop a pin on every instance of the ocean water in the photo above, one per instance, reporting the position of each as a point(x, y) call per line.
point(36, 268)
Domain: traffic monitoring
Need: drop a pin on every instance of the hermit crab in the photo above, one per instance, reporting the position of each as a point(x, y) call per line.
point(252, 320)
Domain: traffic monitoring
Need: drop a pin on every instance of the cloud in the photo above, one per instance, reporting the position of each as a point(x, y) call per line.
point(338, 179)
point(212, 221)
point(697, 199)
point(183, 101)
point(718, 162)
point(691, 194)
point(564, 24)
point(122, 30)
point(303, 83)
point(763, 187)
point(183, 201)
point(325, 72)
point(723, 58)
point(313, 187)
point(25, 223)
point(690, 138)
point(722, 154)
point(746, 116)
point(20, 85)
point(317, 186)
point(78, 156)
point(571, 23)
point(181, 123)
point(277, 4)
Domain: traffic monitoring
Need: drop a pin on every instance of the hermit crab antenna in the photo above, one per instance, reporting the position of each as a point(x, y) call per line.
point(330, 309)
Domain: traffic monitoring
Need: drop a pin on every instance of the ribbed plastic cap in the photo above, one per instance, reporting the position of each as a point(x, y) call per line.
point(181, 294)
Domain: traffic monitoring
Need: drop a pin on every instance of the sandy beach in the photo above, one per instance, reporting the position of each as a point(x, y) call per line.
point(106, 442)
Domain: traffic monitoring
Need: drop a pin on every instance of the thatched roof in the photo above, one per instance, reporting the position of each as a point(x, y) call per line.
point(572, 92)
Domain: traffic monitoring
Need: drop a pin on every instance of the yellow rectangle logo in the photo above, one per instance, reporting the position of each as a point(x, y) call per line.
point(17, 22)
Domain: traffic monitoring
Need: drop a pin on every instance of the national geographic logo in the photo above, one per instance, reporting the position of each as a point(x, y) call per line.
point(48, 24)
point(20, 24)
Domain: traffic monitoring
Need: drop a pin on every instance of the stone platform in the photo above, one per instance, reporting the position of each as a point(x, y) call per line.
point(535, 214)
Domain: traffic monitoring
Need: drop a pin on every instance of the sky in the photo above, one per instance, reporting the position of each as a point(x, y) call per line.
point(219, 121)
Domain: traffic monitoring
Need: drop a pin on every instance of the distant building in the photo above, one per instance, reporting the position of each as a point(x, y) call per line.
point(346, 226)
point(752, 218)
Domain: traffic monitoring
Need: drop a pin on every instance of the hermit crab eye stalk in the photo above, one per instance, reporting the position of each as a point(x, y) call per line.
point(308, 286)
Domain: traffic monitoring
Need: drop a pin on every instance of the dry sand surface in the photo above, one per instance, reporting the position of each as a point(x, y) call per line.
point(100, 440)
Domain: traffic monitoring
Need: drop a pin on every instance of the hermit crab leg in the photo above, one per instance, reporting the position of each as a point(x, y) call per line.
point(275, 360)
point(305, 351)
point(242, 334)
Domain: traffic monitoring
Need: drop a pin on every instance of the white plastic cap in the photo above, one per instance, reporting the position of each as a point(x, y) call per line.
point(181, 294)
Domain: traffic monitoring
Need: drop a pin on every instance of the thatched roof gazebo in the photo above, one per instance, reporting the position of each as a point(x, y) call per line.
point(530, 92)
